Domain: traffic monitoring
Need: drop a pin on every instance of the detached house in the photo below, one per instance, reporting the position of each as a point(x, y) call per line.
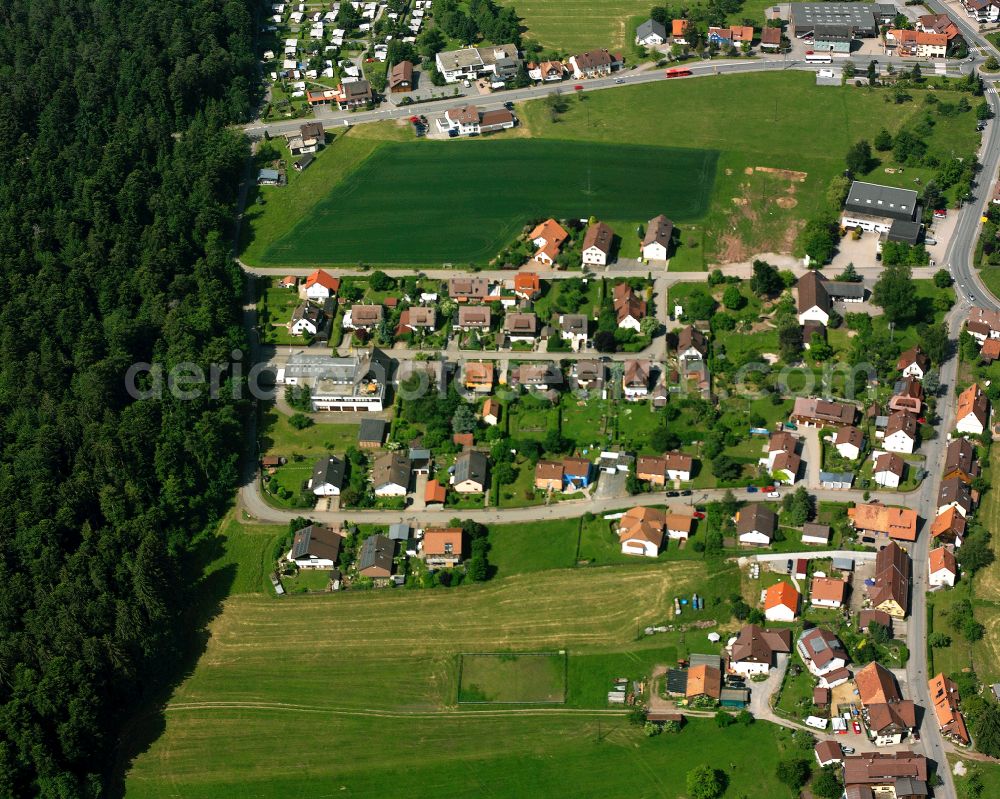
point(401, 77)
point(468, 289)
point(474, 317)
point(478, 377)
point(594, 64)
point(756, 525)
point(754, 650)
point(548, 237)
point(875, 520)
point(363, 317)
point(320, 286)
point(327, 477)
point(527, 286)
point(954, 494)
point(657, 470)
point(826, 592)
point(889, 470)
point(635, 379)
point(597, 243)
point(983, 324)
point(547, 71)
point(901, 433)
point(692, 346)
point(942, 567)
point(656, 242)
point(813, 412)
point(521, 327)
point(640, 531)
point(973, 413)
point(888, 716)
point(960, 461)
point(949, 528)
point(782, 461)
point(356, 94)
point(849, 442)
point(416, 317)
point(391, 475)
point(813, 300)
point(679, 29)
point(307, 319)
point(914, 363)
point(891, 590)
point(821, 651)
point(548, 476)
point(651, 33)
point(573, 328)
point(629, 309)
point(781, 602)
point(316, 547)
point(945, 698)
point(375, 558)
point(470, 472)
point(442, 547)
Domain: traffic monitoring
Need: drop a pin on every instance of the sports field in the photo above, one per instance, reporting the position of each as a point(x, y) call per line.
point(437, 202)
point(507, 678)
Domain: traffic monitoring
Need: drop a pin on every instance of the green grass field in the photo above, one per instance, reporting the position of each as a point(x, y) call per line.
point(772, 141)
point(402, 203)
point(508, 678)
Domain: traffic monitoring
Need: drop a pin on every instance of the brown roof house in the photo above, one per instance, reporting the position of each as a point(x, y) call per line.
point(478, 377)
point(814, 303)
point(521, 327)
point(375, 557)
point(391, 475)
point(597, 243)
point(753, 651)
point(629, 308)
point(363, 317)
point(891, 590)
point(960, 460)
point(691, 344)
point(756, 525)
point(656, 242)
point(888, 716)
point(703, 681)
point(914, 363)
point(401, 77)
point(821, 651)
point(316, 547)
point(474, 317)
point(814, 412)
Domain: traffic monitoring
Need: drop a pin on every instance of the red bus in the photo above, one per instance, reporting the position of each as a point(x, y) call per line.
point(678, 72)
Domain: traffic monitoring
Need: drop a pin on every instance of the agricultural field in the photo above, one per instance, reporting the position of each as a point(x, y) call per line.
point(274, 692)
point(371, 216)
point(734, 188)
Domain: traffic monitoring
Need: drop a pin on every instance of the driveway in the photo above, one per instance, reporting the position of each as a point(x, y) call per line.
point(812, 454)
point(761, 692)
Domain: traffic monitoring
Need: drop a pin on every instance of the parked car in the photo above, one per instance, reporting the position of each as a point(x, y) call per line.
point(769, 488)
point(751, 489)
point(773, 495)
point(857, 728)
point(788, 566)
point(686, 493)
point(673, 494)
point(619, 80)
point(578, 87)
point(848, 750)
point(699, 514)
point(940, 213)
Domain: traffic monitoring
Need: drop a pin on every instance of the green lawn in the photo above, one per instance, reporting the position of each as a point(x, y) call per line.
point(512, 678)
point(578, 25)
point(278, 437)
point(371, 215)
point(527, 547)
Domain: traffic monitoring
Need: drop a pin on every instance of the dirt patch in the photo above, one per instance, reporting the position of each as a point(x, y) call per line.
point(791, 233)
point(740, 201)
point(729, 171)
point(748, 170)
point(784, 174)
point(787, 202)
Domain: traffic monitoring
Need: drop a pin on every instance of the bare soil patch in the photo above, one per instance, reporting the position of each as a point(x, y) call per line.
point(786, 174)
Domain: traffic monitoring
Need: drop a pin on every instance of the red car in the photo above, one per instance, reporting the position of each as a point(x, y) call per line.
point(769, 488)
point(578, 88)
point(940, 213)
point(699, 515)
point(857, 728)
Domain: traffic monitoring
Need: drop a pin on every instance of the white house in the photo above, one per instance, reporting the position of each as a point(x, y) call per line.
point(327, 477)
point(849, 442)
point(943, 570)
point(597, 243)
point(826, 592)
point(573, 328)
point(913, 363)
point(756, 525)
point(651, 33)
point(813, 300)
point(306, 319)
point(464, 120)
point(640, 531)
point(656, 242)
point(321, 286)
point(889, 469)
point(781, 602)
point(678, 466)
point(315, 547)
point(821, 651)
point(391, 475)
point(973, 412)
point(754, 651)
point(901, 433)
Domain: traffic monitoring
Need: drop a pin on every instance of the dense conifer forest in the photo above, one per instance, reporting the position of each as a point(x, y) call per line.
point(117, 182)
